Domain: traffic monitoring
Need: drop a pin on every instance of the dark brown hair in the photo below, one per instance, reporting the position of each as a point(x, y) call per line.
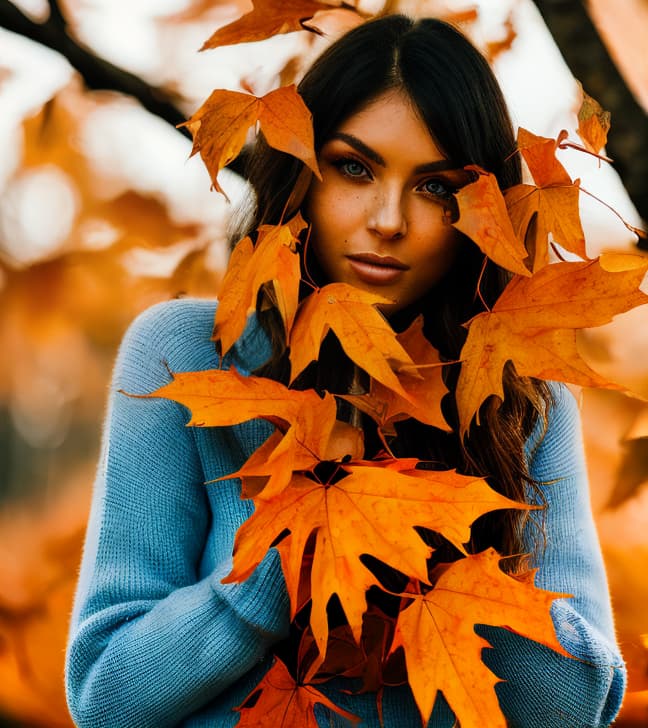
point(456, 95)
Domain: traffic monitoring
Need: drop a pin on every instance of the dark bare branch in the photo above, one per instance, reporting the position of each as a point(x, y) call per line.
point(590, 62)
point(96, 72)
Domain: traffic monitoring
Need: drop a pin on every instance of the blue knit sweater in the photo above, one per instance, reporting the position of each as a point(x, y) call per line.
point(156, 638)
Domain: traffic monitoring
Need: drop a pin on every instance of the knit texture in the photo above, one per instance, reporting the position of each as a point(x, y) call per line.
point(157, 640)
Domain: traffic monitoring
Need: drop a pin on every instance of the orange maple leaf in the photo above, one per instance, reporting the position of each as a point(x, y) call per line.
point(442, 651)
point(231, 314)
point(484, 219)
point(222, 397)
point(336, 21)
point(282, 703)
point(270, 467)
point(281, 455)
point(425, 392)
point(540, 156)
point(549, 207)
point(307, 431)
point(274, 259)
point(267, 18)
point(364, 334)
point(219, 398)
point(373, 510)
point(593, 123)
point(219, 127)
point(533, 325)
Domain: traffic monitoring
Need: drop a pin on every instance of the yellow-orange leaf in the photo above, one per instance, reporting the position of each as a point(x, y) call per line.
point(267, 18)
point(551, 207)
point(233, 298)
point(442, 651)
point(219, 127)
point(536, 212)
point(540, 155)
point(533, 325)
point(484, 219)
point(299, 449)
point(426, 391)
point(285, 704)
point(270, 467)
point(364, 334)
point(274, 259)
point(336, 21)
point(223, 397)
point(593, 124)
point(345, 442)
point(373, 510)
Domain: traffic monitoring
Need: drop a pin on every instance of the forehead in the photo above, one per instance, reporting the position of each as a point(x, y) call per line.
point(391, 126)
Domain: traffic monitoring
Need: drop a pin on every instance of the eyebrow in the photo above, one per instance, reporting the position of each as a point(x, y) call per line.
point(441, 165)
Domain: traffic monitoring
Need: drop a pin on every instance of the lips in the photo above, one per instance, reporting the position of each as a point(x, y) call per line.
point(377, 270)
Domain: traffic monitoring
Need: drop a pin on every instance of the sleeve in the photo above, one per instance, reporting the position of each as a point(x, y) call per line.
point(540, 686)
point(152, 642)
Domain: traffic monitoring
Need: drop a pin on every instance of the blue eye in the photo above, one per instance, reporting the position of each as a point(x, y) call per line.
point(355, 169)
point(351, 168)
point(436, 188)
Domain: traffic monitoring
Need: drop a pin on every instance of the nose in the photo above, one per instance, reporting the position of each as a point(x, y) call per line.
point(386, 217)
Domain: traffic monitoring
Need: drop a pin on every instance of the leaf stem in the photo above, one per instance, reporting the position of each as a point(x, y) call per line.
point(637, 231)
point(479, 281)
point(307, 278)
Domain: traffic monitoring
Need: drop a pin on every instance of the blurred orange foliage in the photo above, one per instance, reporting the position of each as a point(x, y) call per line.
point(63, 314)
point(40, 548)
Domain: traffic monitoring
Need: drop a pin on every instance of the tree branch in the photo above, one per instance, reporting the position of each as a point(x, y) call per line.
point(590, 62)
point(96, 72)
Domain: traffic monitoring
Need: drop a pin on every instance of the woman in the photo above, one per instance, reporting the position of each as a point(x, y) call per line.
point(399, 108)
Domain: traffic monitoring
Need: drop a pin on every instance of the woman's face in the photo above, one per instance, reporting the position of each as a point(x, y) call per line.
point(378, 212)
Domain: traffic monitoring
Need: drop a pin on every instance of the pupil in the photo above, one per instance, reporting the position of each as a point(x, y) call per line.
point(436, 188)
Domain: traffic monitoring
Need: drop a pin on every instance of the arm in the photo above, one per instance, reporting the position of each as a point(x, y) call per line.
point(151, 641)
point(542, 687)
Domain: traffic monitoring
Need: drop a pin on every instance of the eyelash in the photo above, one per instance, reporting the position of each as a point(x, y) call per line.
point(343, 164)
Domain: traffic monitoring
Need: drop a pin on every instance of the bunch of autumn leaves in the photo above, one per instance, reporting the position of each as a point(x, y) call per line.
point(322, 527)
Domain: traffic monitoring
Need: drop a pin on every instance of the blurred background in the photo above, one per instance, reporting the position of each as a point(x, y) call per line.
point(102, 213)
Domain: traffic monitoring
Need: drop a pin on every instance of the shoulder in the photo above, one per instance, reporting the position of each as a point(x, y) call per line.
point(179, 329)
point(176, 336)
point(165, 317)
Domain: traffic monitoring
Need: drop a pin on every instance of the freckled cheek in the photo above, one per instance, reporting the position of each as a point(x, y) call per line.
point(335, 220)
point(324, 211)
point(344, 206)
